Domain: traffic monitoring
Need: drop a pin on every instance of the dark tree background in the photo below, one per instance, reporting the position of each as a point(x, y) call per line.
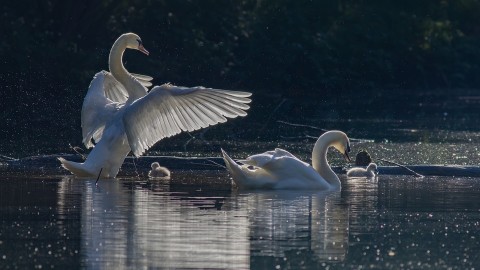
point(293, 49)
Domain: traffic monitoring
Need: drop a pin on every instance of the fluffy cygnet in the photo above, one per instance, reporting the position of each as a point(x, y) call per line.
point(158, 171)
point(371, 171)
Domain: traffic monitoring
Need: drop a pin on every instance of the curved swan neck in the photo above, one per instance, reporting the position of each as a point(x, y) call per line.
point(134, 88)
point(115, 61)
point(319, 159)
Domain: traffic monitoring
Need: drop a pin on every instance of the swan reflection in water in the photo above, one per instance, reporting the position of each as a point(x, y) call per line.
point(312, 226)
point(128, 223)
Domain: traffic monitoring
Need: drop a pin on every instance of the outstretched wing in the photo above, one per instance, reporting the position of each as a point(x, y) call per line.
point(104, 97)
point(168, 110)
point(143, 79)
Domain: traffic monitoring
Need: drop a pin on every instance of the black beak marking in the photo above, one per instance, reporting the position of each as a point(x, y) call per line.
point(346, 156)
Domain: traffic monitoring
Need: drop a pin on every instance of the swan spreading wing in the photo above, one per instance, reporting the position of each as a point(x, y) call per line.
point(143, 79)
point(168, 110)
point(121, 115)
point(102, 101)
point(105, 96)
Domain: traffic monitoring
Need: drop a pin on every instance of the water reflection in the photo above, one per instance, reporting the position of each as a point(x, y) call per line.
point(159, 224)
point(196, 221)
point(286, 226)
point(407, 222)
point(140, 224)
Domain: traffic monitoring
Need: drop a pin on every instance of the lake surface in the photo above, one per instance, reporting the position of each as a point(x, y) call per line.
point(198, 221)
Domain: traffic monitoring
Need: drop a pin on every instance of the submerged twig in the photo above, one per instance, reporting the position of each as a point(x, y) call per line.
point(305, 136)
point(135, 165)
point(200, 137)
point(271, 115)
point(76, 150)
point(361, 140)
point(213, 164)
point(189, 140)
point(300, 125)
point(402, 166)
point(3, 157)
point(98, 177)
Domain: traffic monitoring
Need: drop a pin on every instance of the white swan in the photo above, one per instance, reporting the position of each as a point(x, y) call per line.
point(120, 115)
point(281, 170)
point(371, 171)
point(158, 171)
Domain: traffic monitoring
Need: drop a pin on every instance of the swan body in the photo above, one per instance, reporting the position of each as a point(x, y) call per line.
point(120, 115)
point(158, 171)
point(279, 169)
point(370, 171)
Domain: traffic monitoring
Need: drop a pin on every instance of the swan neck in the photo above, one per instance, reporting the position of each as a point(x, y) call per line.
point(115, 62)
point(320, 162)
point(134, 88)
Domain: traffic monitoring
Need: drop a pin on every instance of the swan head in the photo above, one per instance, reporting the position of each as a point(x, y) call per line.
point(133, 41)
point(372, 167)
point(155, 165)
point(341, 143)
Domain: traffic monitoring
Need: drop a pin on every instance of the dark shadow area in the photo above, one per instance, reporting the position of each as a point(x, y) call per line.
point(408, 64)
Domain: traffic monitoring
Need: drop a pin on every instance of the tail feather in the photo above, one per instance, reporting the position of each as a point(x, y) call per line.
point(235, 170)
point(78, 169)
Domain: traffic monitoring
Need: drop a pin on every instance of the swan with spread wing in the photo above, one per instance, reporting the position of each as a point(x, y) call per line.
point(120, 115)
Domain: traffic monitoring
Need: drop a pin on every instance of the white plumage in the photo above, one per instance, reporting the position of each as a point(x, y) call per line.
point(279, 169)
point(370, 171)
point(120, 115)
point(158, 171)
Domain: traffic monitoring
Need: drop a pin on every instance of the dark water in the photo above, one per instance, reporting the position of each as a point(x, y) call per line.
point(197, 221)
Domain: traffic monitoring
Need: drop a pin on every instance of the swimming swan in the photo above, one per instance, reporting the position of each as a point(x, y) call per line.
point(120, 115)
point(371, 171)
point(158, 171)
point(279, 169)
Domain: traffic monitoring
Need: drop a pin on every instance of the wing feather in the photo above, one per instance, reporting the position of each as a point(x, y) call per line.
point(267, 159)
point(143, 79)
point(213, 115)
point(202, 119)
point(172, 127)
point(190, 123)
point(168, 110)
point(178, 113)
point(226, 109)
point(189, 116)
point(213, 109)
point(113, 90)
point(237, 101)
point(104, 97)
point(194, 114)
